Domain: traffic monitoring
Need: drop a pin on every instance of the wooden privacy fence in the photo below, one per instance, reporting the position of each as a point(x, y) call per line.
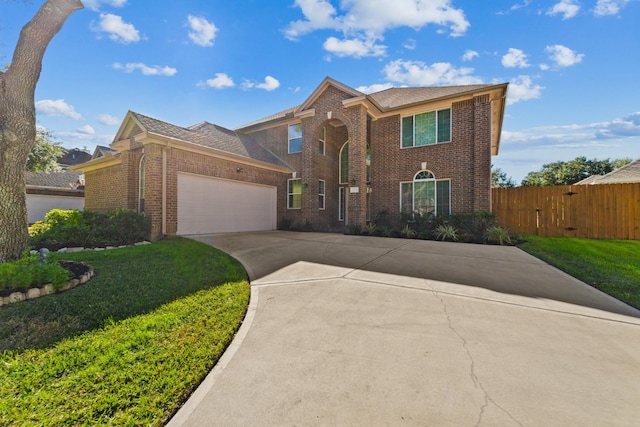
point(602, 211)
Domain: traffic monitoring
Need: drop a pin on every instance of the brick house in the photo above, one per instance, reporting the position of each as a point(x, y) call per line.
point(337, 159)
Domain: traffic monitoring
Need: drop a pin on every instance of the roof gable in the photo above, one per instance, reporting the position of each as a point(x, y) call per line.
point(326, 83)
point(203, 134)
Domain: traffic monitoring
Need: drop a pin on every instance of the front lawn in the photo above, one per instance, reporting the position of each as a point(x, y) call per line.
point(128, 347)
point(613, 266)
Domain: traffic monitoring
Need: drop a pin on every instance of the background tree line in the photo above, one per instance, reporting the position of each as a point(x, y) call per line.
point(560, 173)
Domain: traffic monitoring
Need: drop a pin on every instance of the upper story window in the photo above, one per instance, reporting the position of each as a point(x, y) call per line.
point(323, 135)
point(344, 163)
point(433, 127)
point(295, 138)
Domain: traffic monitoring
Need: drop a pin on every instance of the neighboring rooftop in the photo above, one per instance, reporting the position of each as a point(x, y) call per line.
point(62, 179)
point(72, 157)
point(626, 174)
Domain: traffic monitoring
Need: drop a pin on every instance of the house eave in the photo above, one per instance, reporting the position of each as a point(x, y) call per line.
point(99, 163)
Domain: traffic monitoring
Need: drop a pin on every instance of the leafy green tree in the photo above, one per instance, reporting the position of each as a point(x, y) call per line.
point(567, 173)
point(45, 152)
point(499, 178)
point(18, 120)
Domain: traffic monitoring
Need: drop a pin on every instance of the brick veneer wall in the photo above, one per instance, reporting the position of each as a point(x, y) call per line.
point(104, 189)
point(466, 160)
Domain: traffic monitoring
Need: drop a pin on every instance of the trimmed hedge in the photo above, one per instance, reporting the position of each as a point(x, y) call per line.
point(69, 228)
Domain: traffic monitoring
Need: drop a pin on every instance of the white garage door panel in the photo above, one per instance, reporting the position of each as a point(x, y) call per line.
point(210, 205)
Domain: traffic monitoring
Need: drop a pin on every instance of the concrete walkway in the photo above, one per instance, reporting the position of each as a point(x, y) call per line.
point(350, 330)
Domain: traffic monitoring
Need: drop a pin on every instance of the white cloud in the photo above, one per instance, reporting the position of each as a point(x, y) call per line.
point(367, 21)
point(146, 70)
point(568, 9)
point(202, 32)
point(356, 48)
point(378, 87)
point(95, 4)
point(609, 7)
point(118, 30)
point(108, 120)
point(563, 56)
point(516, 58)
point(58, 107)
point(469, 55)
point(220, 81)
point(269, 84)
point(417, 73)
point(410, 44)
point(522, 89)
point(87, 130)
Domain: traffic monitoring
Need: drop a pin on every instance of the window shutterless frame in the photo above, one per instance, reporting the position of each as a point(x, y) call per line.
point(295, 138)
point(428, 128)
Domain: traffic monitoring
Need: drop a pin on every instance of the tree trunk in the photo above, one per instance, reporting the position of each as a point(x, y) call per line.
point(18, 120)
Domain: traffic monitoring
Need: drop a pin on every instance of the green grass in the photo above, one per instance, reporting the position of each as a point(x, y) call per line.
point(613, 266)
point(128, 347)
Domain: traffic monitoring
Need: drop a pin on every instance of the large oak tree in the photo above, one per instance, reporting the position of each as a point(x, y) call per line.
point(18, 120)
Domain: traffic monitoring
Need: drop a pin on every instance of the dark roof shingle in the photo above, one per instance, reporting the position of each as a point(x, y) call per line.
point(212, 136)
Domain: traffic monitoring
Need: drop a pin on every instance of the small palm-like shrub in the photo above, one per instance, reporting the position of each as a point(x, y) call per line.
point(408, 232)
point(497, 234)
point(445, 232)
point(371, 228)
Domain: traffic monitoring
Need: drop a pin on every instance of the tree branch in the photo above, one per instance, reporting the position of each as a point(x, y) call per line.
point(35, 36)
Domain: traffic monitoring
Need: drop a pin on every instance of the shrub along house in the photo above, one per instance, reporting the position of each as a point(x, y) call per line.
point(338, 159)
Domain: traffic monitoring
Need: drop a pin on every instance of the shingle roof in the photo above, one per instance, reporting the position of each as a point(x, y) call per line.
point(625, 174)
point(393, 98)
point(54, 179)
point(398, 97)
point(212, 136)
point(74, 156)
point(102, 151)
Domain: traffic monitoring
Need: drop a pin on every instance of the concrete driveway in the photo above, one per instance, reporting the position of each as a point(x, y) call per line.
point(351, 330)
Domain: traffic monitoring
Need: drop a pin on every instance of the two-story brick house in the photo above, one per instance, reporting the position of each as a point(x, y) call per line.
point(337, 159)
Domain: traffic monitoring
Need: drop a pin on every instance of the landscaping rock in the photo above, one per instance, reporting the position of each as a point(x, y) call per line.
point(33, 293)
point(15, 297)
point(47, 290)
point(62, 251)
point(99, 249)
point(78, 249)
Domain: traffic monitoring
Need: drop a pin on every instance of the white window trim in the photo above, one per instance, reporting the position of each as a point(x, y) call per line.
point(340, 165)
point(341, 210)
point(322, 139)
point(324, 197)
point(435, 207)
point(290, 194)
point(414, 124)
point(289, 139)
point(142, 166)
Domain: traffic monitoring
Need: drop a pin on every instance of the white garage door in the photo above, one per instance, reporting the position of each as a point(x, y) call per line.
point(212, 205)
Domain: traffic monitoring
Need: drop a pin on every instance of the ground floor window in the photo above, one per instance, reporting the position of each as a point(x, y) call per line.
point(426, 195)
point(321, 184)
point(294, 194)
point(342, 203)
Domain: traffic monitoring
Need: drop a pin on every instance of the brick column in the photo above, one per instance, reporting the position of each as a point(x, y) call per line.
point(153, 188)
point(482, 154)
point(309, 172)
point(357, 205)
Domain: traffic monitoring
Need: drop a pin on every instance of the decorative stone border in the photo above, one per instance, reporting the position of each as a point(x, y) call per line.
point(40, 291)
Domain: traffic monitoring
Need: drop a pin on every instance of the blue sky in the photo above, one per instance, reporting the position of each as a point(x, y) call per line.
point(572, 65)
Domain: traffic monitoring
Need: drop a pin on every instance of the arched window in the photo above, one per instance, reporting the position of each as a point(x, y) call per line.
point(344, 163)
point(141, 181)
point(425, 195)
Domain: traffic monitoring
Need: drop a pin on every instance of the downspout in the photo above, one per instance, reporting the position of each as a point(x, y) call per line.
point(164, 192)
